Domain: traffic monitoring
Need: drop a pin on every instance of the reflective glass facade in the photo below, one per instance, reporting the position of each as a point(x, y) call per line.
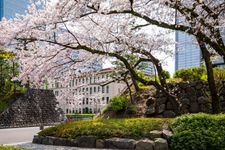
point(187, 53)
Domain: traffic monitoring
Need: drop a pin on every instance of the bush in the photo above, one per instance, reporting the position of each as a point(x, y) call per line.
point(119, 103)
point(191, 74)
point(136, 128)
point(219, 73)
point(198, 132)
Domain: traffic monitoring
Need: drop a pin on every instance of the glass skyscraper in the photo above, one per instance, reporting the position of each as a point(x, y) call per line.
point(187, 52)
point(9, 8)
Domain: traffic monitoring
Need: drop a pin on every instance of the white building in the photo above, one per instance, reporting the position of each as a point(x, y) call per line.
point(87, 92)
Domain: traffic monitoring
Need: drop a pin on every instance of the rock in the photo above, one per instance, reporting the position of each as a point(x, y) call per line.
point(185, 101)
point(169, 114)
point(150, 110)
point(155, 134)
point(166, 134)
point(161, 100)
point(100, 143)
point(145, 144)
point(169, 106)
point(202, 100)
point(37, 139)
point(161, 108)
point(150, 101)
point(161, 144)
point(199, 86)
point(71, 142)
point(194, 107)
point(120, 143)
point(60, 141)
point(45, 141)
point(87, 141)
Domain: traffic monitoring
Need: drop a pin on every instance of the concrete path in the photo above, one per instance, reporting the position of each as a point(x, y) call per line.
point(17, 135)
point(31, 146)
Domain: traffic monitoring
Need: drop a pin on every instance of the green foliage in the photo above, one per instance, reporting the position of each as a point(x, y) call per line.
point(119, 103)
point(191, 74)
point(198, 132)
point(81, 115)
point(219, 73)
point(136, 128)
point(10, 148)
point(166, 74)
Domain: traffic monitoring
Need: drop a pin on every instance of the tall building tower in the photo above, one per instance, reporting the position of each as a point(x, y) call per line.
point(187, 53)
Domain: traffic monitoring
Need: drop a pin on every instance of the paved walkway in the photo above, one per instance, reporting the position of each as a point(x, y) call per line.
point(17, 135)
point(31, 146)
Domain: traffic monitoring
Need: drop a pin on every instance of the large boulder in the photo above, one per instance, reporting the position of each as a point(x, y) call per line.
point(161, 144)
point(120, 143)
point(145, 144)
point(87, 141)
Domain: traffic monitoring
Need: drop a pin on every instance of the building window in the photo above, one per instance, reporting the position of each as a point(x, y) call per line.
point(103, 76)
point(76, 82)
point(83, 101)
point(103, 100)
point(90, 79)
point(94, 89)
point(67, 110)
point(73, 83)
point(90, 90)
point(87, 101)
point(86, 80)
point(83, 80)
point(56, 93)
point(98, 88)
point(56, 85)
point(107, 100)
point(103, 89)
point(107, 89)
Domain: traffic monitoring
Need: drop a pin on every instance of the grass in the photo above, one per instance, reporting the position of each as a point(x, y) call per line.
point(136, 128)
point(81, 115)
point(10, 148)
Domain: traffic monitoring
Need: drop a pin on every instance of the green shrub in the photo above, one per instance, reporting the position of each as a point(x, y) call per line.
point(119, 103)
point(198, 132)
point(136, 128)
point(219, 73)
point(191, 74)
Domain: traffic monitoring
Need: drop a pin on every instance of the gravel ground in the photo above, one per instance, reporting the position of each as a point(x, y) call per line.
point(31, 146)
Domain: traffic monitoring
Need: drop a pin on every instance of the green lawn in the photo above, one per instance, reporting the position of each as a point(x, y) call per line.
point(125, 128)
point(9, 148)
point(81, 115)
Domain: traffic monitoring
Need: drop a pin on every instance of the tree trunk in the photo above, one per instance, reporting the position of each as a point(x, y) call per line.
point(210, 78)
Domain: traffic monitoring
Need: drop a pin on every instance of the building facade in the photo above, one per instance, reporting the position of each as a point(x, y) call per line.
point(187, 51)
point(87, 92)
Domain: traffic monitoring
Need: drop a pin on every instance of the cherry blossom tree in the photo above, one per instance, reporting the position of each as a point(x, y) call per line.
point(44, 39)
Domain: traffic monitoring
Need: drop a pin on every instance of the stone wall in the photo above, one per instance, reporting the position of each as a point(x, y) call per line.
point(192, 97)
point(156, 140)
point(33, 108)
